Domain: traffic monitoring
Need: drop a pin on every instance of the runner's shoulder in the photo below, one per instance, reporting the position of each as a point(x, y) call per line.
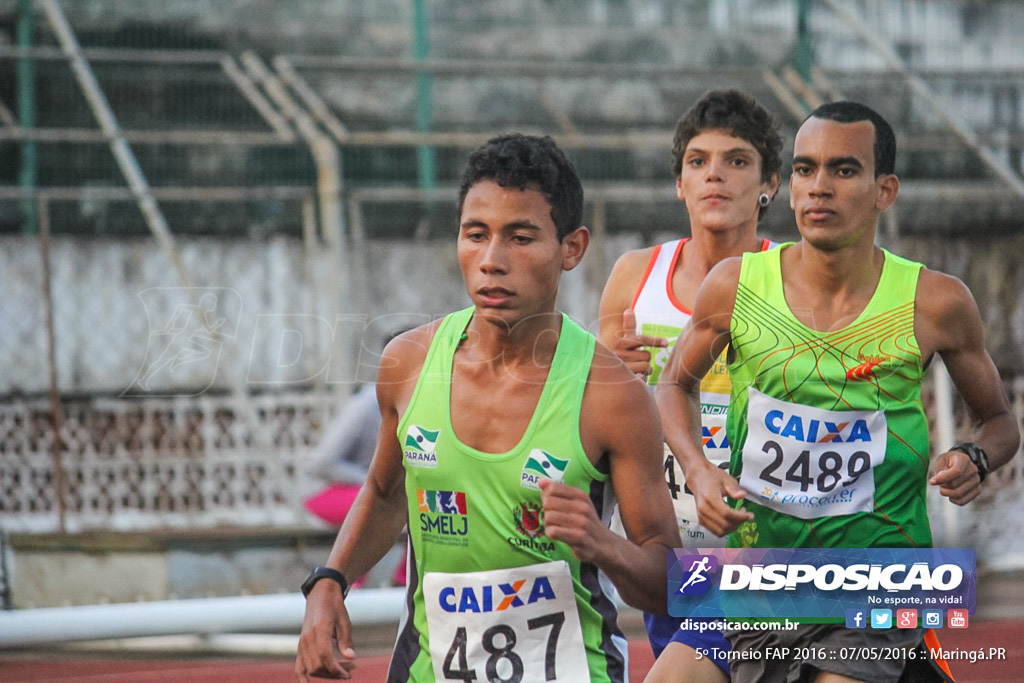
point(614, 384)
point(632, 264)
point(942, 297)
point(402, 358)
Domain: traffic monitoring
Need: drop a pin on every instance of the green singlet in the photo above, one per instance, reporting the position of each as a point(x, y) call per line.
point(490, 597)
point(829, 435)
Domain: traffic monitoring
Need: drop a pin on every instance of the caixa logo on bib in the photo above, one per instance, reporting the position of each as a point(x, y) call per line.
point(816, 431)
point(496, 598)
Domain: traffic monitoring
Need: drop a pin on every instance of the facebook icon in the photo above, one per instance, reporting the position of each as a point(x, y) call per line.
point(856, 618)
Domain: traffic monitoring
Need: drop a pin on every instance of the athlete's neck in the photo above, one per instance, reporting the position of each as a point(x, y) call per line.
point(707, 248)
point(827, 290)
point(496, 342)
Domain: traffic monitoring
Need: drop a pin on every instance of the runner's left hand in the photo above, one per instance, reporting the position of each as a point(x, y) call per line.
point(956, 476)
point(570, 517)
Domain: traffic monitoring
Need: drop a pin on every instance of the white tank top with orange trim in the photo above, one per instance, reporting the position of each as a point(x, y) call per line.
point(660, 314)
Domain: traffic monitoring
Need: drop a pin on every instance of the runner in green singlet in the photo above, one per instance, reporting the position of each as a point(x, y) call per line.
point(829, 339)
point(496, 450)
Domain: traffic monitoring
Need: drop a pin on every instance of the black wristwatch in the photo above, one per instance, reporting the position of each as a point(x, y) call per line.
point(324, 573)
point(977, 456)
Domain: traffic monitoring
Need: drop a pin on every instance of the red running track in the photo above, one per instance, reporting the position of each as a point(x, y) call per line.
point(1008, 635)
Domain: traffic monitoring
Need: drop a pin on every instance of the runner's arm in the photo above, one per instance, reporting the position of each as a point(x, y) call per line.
point(617, 324)
point(371, 527)
point(948, 323)
point(678, 398)
point(630, 442)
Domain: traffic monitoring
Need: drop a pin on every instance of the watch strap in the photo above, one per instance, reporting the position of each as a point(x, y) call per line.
point(324, 573)
point(977, 455)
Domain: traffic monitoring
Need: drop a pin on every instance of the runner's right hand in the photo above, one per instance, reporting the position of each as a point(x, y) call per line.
point(710, 486)
point(631, 348)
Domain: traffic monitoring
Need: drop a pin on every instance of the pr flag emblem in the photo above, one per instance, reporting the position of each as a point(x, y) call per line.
point(542, 465)
point(421, 439)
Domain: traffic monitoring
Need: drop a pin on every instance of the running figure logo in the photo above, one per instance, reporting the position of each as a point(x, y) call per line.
point(697, 582)
point(188, 330)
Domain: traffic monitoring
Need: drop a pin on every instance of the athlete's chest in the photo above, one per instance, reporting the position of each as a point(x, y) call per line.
point(490, 411)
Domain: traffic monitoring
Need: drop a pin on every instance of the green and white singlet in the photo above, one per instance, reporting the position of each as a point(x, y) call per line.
point(829, 436)
point(490, 597)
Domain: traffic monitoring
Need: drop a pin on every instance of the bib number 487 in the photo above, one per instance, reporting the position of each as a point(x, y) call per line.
point(503, 665)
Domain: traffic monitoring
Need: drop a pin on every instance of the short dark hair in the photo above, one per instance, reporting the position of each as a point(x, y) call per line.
point(851, 112)
point(738, 114)
point(529, 162)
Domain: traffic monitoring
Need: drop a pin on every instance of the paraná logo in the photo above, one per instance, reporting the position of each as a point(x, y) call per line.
point(420, 444)
point(542, 465)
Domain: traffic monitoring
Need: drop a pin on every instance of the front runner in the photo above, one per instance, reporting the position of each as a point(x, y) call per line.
point(495, 447)
point(830, 338)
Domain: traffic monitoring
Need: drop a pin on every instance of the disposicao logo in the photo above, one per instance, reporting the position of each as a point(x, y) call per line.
point(820, 582)
point(696, 580)
point(420, 446)
point(542, 465)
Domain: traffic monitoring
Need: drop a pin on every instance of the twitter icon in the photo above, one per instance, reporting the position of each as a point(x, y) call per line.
point(881, 618)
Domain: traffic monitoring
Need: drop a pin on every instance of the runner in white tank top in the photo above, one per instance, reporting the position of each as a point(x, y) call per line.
point(727, 164)
point(659, 313)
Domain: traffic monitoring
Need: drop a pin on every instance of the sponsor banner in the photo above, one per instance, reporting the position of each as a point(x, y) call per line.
point(818, 583)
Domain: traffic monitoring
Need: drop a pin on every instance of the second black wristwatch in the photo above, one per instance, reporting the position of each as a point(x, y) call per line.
point(977, 455)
